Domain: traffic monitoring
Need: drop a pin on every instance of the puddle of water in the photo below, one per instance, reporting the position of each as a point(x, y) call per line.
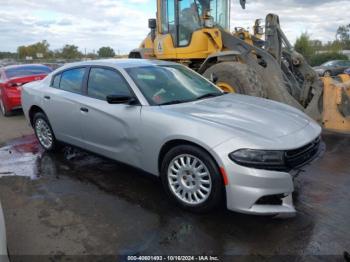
point(19, 158)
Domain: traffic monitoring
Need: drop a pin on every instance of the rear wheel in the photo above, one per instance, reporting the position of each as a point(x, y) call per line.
point(44, 133)
point(234, 77)
point(191, 178)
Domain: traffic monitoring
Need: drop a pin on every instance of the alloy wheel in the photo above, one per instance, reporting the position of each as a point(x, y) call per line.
point(189, 179)
point(44, 133)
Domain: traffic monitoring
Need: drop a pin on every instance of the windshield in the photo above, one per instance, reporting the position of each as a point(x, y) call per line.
point(171, 84)
point(330, 63)
point(27, 71)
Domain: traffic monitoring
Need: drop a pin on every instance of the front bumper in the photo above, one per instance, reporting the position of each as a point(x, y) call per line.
point(262, 192)
point(247, 186)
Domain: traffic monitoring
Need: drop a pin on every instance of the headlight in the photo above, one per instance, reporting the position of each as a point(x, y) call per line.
point(262, 159)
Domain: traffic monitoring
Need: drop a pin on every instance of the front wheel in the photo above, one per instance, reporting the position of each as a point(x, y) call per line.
point(327, 73)
point(44, 133)
point(192, 179)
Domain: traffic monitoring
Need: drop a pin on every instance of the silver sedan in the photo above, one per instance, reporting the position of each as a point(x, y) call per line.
point(3, 243)
point(206, 146)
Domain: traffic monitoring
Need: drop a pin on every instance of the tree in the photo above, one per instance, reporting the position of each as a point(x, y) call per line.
point(70, 52)
point(343, 33)
point(37, 50)
point(304, 46)
point(343, 36)
point(106, 51)
point(7, 55)
point(91, 56)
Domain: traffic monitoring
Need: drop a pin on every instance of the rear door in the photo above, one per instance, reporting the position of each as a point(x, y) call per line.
point(110, 129)
point(61, 104)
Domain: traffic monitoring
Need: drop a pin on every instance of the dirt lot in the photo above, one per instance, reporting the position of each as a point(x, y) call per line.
point(74, 203)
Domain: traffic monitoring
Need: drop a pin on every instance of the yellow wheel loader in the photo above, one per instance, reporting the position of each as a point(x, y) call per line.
point(197, 33)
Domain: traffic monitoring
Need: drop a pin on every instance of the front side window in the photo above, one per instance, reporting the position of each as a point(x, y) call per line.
point(72, 80)
point(103, 82)
point(345, 63)
point(171, 84)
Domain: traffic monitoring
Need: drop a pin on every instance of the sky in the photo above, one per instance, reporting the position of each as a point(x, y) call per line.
point(122, 25)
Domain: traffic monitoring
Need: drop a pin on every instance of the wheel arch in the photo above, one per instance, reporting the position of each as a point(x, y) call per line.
point(177, 142)
point(32, 111)
point(225, 56)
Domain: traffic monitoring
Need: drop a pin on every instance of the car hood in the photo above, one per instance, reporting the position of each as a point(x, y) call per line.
point(320, 67)
point(245, 114)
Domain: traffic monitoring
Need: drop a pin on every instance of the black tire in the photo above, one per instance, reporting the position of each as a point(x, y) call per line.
point(5, 112)
point(241, 77)
point(216, 195)
point(42, 117)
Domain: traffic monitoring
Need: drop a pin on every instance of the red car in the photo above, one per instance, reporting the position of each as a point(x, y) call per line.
point(11, 80)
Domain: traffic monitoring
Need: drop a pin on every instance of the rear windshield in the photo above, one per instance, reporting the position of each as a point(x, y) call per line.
point(27, 71)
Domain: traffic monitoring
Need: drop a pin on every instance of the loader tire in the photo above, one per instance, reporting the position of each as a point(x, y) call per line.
point(236, 77)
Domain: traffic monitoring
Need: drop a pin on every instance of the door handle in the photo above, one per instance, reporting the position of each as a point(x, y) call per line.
point(47, 97)
point(84, 109)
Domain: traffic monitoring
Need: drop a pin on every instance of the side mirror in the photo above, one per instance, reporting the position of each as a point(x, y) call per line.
point(120, 99)
point(152, 23)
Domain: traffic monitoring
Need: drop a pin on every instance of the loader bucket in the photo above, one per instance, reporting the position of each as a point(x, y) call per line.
point(336, 104)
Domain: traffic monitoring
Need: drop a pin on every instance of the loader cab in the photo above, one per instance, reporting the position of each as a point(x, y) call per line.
point(186, 26)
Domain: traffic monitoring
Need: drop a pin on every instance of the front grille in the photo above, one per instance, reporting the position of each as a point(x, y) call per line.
point(297, 157)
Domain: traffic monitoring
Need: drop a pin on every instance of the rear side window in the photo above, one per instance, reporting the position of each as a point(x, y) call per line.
point(103, 82)
point(72, 80)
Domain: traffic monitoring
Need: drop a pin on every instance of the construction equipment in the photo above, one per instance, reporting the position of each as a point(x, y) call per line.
point(264, 64)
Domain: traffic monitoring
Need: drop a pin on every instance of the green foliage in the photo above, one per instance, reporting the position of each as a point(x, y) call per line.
point(70, 52)
point(91, 56)
point(35, 50)
point(317, 53)
point(343, 36)
point(106, 51)
point(8, 55)
point(304, 46)
point(321, 58)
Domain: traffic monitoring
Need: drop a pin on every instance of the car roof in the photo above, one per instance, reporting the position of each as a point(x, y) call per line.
point(119, 63)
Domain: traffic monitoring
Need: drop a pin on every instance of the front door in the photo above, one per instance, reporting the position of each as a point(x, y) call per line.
point(110, 129)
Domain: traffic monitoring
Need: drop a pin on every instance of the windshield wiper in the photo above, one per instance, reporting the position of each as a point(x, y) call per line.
point(190, 100)
point(209, 95)
point(173, 102)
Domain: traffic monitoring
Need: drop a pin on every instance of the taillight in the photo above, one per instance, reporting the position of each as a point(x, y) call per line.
point(11, 84)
